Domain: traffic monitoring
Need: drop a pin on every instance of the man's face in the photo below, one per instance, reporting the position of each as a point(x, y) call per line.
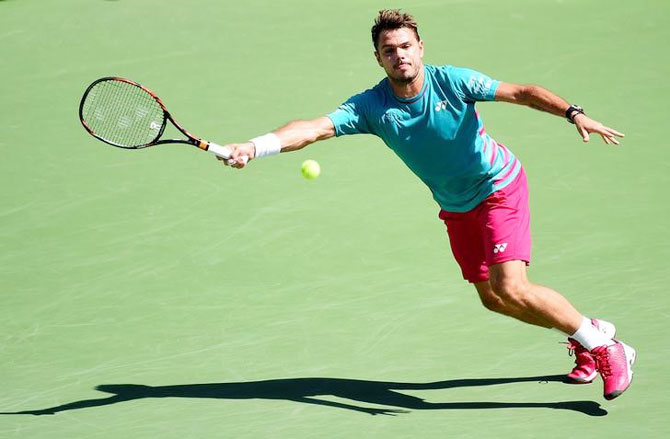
point(399, 52)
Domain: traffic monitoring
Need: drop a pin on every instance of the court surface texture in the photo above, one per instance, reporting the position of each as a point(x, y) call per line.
point(157, 293)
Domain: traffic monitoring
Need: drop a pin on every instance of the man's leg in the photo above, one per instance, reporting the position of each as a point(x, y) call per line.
point(494, 303)
point(509, 292)
point(492, 246)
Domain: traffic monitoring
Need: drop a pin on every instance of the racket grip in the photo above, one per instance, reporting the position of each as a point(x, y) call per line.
point(218, 150)
point(223, 151)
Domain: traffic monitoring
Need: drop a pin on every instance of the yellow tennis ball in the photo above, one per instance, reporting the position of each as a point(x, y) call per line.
point(310, 169)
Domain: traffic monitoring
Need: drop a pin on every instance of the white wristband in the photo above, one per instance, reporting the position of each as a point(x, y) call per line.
point(268, 144)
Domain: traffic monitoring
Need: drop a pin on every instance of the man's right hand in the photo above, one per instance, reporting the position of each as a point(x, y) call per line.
point(240, 154)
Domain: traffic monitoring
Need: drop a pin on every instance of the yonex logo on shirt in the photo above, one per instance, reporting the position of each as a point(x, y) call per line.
point(442, 105)
point(442, 145)
point(499, 248)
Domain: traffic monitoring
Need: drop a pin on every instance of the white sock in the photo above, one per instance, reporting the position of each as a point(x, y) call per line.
point(589, 336)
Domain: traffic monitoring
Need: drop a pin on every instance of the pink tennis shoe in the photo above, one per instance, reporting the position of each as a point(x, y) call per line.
point(614, 362)
point(586, 370)
point(615, 366)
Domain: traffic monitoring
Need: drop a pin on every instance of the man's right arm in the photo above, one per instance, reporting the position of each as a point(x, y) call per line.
point(292, 136)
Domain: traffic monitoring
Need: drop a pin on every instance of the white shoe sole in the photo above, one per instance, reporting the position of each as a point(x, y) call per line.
point(631, 356)
point(589, 379)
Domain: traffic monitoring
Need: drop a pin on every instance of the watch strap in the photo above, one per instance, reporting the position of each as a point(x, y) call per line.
point(572, 111)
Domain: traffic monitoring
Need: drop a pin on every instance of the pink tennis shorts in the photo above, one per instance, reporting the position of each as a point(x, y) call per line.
point(497, 230)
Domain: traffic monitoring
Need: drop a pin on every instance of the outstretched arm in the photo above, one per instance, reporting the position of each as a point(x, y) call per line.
point(542, 99)
point(292, 136)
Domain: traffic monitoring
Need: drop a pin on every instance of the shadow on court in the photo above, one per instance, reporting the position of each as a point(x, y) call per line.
point(307, 390)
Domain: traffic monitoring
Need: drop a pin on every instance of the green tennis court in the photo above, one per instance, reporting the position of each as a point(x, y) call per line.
point(157, 293)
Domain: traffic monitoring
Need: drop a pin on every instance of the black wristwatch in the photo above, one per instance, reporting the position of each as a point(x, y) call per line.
point(572, 111)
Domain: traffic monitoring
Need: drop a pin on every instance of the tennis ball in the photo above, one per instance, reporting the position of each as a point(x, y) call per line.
point(310, 169)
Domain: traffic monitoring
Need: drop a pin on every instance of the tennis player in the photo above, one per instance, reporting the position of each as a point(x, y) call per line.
point(426, 114)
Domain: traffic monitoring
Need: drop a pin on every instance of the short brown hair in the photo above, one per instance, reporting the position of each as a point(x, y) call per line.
point(390, 19)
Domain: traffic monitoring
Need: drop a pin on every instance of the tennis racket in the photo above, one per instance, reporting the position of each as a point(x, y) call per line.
point(125, 114)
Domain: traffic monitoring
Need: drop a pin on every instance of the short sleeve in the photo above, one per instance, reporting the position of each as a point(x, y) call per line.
point(472, 85)
point(350, 117)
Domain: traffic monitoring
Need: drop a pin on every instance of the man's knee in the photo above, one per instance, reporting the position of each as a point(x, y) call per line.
point(489, 299)
point(512, 290)
point(492, 303)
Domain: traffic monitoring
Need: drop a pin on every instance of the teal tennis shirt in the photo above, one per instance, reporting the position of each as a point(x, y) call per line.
point(438, 134)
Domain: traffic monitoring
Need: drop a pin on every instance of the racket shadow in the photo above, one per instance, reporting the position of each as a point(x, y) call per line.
point(307, 390)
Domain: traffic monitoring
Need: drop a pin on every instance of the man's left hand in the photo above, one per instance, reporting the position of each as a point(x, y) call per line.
point(586, 125)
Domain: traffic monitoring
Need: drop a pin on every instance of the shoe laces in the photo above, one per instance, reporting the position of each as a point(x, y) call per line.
point(603, 362)
point(572, 346)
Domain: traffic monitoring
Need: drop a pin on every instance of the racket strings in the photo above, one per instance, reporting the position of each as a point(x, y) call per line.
point(123, 114)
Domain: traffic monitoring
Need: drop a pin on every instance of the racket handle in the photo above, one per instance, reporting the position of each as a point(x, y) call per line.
point(218, 150)
point(223, 151)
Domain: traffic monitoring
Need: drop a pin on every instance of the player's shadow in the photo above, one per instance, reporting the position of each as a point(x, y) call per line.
point(308, 390)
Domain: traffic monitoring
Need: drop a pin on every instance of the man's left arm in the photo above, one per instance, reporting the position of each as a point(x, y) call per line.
point(542, 99)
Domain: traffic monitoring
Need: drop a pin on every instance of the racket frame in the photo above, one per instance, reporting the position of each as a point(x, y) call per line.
point(190, 140)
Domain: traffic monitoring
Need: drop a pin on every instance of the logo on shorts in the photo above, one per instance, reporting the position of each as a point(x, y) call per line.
point(499, 248)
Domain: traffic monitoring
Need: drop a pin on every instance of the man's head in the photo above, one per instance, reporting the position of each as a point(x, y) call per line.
point(398, 47)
